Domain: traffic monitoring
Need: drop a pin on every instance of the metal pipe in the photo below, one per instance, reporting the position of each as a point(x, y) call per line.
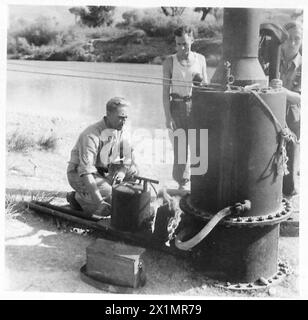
point(240, 47)
point(146, 240)
point(77, 213)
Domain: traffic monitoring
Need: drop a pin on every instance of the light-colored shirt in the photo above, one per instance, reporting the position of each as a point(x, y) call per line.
point(98, 146)
point(290, 74)
point(182, 73)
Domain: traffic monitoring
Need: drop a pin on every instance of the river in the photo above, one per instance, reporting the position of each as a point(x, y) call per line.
point(75, 95)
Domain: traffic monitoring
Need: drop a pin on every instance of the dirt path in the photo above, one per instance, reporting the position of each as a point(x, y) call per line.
point(42, 256)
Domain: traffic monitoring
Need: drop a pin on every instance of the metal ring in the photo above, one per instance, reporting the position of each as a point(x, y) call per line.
point(239, 221)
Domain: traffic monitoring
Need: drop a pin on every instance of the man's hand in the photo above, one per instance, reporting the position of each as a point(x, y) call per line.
point(170, 124)
point(103, 210)
point(119, 177)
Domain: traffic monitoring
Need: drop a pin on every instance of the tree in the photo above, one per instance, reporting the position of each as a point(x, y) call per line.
point(205, 11)
point(130, 17)
point(93, 16)
point(77, 11)
point(173, 11)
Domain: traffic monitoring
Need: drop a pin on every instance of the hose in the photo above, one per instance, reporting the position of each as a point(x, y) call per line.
point(189, 244)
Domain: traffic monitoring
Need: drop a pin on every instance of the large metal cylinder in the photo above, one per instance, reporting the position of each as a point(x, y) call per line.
point(241, 255)
point(245, 160)
point(240, 47)
point(242, 146)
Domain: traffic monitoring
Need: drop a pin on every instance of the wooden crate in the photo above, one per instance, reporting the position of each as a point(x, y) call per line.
point(116, 263)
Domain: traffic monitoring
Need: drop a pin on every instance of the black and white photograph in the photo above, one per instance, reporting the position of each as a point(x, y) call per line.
point(153, 150)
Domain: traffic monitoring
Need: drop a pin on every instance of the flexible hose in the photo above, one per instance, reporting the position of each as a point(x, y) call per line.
point(189, 244)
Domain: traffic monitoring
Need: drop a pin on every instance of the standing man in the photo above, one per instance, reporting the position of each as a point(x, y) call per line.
point(179, 72)
point(100, 157)
point(290, 81)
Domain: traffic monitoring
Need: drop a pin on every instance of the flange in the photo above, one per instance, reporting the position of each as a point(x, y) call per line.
point(253, 221)
point(283, 270)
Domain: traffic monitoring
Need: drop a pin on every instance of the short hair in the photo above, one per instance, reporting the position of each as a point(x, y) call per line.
point(293, 25)
point(115, 103)
point(182, 30)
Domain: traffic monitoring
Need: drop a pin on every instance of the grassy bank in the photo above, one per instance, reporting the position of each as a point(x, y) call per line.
point(143, 36)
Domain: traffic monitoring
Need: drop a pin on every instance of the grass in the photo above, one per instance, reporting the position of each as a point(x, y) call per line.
point(18, 141)
point(13, 208)
point(48, 143)
point(15, 204)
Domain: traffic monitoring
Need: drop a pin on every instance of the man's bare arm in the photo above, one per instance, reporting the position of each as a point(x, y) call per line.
point(90, 183)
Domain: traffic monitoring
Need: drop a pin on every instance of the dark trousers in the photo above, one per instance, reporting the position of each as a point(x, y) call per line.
point(180, 112)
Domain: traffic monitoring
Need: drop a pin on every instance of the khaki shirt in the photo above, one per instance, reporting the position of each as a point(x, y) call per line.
point(97, 147)
point(290, 74)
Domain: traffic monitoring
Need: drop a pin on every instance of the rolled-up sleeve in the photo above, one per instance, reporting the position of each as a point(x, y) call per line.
point(88, 150)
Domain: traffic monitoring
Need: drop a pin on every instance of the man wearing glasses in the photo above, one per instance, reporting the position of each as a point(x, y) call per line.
point(100, 157)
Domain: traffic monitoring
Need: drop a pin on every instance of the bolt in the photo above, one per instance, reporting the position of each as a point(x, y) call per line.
point(263, 281)
point(228, 284)
point(249, 285)
point(239, 219)
point(279, 273)
point(260, 219)
point(275, 278)
point(270, 217)
point(272, 291)
point(278, 215)
point(238, 285)
point(250, 219)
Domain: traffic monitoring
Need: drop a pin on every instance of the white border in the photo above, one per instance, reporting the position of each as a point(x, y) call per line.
point(156, 3)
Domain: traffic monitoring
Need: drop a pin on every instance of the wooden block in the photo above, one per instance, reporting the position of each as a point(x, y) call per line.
point(116, 263)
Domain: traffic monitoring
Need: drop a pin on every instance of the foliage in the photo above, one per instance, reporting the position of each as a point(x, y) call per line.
point(13, 207)
point(130, 17)
point(45, 39)
point(204, 10)
point(48, 142)
point(173, 11)
point(43, 31)
point(19, 141)
point(94, 16)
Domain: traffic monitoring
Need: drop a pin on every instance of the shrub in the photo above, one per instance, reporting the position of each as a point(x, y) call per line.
point(48, 142)
point(159, 25)
point(12, 207)
point(41, 32)
point(19, 142)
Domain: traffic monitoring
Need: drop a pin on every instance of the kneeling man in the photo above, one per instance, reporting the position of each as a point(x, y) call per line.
point(100, 157)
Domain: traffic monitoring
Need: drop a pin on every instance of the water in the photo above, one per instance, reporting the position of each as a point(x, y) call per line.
point(72, 97)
